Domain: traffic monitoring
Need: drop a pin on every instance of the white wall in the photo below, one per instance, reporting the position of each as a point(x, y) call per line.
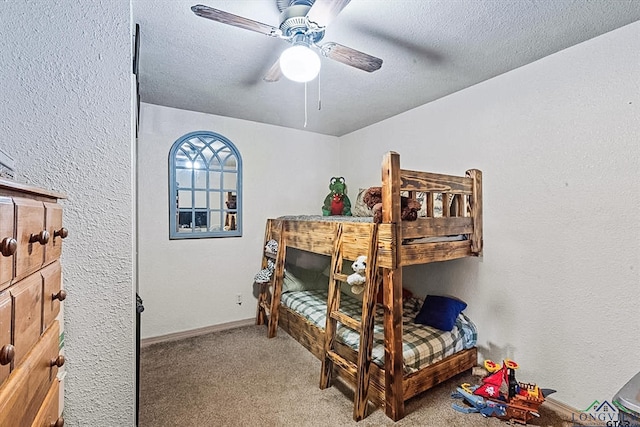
point(558, 144)
point(188, 284)
point(65, 108)
point(557, 290)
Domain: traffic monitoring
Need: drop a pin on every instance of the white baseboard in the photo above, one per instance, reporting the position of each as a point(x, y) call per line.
point(195, 332)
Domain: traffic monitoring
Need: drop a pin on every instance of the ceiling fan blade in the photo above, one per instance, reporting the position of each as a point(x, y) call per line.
point(274, 73)
point(351, 57)
point(235, 20)
point(324, 11)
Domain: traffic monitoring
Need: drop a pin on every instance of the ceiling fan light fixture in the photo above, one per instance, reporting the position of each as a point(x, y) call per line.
point(299, 63)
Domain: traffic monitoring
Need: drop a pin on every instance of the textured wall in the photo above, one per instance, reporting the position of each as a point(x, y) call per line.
point(557, 141)
point(188, 284)
point(65, 113)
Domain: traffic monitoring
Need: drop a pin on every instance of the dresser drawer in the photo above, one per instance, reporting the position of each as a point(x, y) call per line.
point(52, 293)
point(8, 244)
point(26, 297)
point(24, 391)
point(7, 352)
point(48, 414)
point(53, 225)
point(31, 235)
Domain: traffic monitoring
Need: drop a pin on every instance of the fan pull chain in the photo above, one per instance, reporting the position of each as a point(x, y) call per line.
point(319, 98)
point(305, 104)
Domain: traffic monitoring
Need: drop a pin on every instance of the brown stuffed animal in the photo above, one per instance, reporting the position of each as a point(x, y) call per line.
point(373, 198)
point(409, 209)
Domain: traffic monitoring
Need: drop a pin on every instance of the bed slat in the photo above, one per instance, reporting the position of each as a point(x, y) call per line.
point(310, 336)
point(355, 239)
point(313, 236)
point(446, 203)
point(430, 205)
point(436, 227)
point(432, 375)
point(459, 205)
point(421, 253)
point(434, 182)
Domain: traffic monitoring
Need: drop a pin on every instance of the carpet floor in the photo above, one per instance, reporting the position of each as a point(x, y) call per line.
point(239, 377)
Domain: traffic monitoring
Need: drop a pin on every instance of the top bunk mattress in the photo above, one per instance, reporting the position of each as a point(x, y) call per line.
point(327, 218)
point(369, 219)
point(422, 345)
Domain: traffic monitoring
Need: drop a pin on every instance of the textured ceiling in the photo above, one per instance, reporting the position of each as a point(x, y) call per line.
point(430, 48)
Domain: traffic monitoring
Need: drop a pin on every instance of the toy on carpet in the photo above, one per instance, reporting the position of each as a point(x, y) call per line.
point(337, 202)
point(500, 395)
point(408, 207)
point(357, 279)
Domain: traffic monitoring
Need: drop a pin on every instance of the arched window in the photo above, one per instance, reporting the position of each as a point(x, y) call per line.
point(205, 187)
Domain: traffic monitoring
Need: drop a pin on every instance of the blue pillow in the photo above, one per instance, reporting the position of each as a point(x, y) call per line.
point(440, 312)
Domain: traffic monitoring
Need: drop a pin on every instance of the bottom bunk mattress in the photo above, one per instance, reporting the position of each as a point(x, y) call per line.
point(422, 345)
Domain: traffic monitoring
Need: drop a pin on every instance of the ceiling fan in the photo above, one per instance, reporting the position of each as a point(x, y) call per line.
point(302, 23)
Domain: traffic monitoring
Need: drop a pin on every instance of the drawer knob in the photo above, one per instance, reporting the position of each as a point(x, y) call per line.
point(61, 295)
point(58, 361)
point(7, 353)
point(8, 246)
point(58, 423)
point(42, 237)
point(62, 233)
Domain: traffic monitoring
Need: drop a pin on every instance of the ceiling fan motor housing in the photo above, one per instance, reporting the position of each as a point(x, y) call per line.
point(293, 21)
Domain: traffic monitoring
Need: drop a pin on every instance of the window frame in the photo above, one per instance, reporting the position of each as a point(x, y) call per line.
point(174, 209)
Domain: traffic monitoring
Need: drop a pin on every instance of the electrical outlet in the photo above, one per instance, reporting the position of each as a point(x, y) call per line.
point(239, 299)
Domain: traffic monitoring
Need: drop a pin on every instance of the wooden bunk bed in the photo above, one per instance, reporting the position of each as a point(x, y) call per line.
point(391, 245)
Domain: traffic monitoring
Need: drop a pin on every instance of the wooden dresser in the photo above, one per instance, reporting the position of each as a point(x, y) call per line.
point(31, 235)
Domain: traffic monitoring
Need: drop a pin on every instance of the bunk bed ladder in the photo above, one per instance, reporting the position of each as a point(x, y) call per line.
point(359, 371)
point(269, 300)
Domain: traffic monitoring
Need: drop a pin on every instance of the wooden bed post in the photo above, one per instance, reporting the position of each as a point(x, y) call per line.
point(261, 315)
point(392, 291)
point(276, 280)
point(476, 211)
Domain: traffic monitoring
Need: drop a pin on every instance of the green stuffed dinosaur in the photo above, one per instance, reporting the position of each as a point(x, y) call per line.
point(337, 202)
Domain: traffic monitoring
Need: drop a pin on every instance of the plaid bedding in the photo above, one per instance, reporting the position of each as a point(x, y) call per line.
point(422, 345)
